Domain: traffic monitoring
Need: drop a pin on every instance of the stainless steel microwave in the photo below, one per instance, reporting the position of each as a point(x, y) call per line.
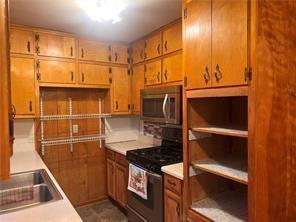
point(162, 105)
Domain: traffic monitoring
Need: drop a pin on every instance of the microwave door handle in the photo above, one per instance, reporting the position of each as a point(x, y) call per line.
point(164, 105)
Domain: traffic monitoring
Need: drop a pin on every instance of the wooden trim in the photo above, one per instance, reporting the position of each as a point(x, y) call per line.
point(4, 92)
point(77, 85)
point(218, 92)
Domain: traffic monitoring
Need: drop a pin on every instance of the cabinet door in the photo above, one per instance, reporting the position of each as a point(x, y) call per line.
point(121, 184)
point(137, 85)
point(53, 71)
point(23, 85)
point(119, 53)
point(197, 44)
point(94, 51)
point(111, 178)
point(172, 207)
point(138, 51)
point(153, 46)
point(21, 41)
point(172, 38)
point(121, 90)
point(172, 68)
point(55, 45)
point(91, 74)
point(153, 73)
point(229, 42)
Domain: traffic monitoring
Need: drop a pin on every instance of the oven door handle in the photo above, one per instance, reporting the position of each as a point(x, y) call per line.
point(164, 106)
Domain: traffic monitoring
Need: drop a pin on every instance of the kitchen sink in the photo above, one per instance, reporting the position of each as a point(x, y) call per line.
point(27, 189)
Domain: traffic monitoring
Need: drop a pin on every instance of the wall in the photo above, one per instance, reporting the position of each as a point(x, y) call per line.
point(24, 135)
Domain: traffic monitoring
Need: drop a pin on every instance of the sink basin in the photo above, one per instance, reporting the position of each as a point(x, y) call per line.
point(36, 187)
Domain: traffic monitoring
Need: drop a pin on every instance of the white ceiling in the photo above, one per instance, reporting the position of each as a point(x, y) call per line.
point(138, 19)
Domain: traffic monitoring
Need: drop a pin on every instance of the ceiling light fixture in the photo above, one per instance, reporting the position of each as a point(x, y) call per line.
point(103, 10)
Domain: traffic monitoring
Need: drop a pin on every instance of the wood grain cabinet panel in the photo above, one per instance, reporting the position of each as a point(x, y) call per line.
point(153, 73)
point(138, 51)
point(22, 41)
point(172, 207)
point(92, 74)
point(94, 51)
point(111, 179)
point(23, 85)
point(55, 45)
point(197, 44)
point(119, 53)
point(120, 90)
point(121, 184)
point(55, 71)
point(172, 68)
point(153, 46)
point(229, 42)
point(137, 80)
point(172, 38)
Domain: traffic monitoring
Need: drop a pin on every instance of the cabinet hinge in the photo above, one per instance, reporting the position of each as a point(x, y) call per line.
point(37, 64)
point(248, 74)
point(185, 81)
point(185, 13)
point(110, 69)
point(110, 80)
point(37, 49)
point(38, 77)
point(37, 37)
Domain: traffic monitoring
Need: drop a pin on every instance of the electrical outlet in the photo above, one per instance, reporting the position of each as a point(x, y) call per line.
point(75, 128)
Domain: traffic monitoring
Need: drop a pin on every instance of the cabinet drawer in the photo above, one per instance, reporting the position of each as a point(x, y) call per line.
point(173, 184)
point(110, 154)
point(120, 159)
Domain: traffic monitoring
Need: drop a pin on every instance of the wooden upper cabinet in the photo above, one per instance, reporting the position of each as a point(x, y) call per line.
point(153, 46)
point(23, 86)
point(119, 53)
point(197, 44)
point(137, 84)
point(172, 68)
point(22, 41)
point(121, 184)
point(120, 90)
point(229, 42)
point(153, 73)
point(92, 74)
point(138, 51)
point(94, 51)
point(55, 45)
point(55, 71)
point(172, 38)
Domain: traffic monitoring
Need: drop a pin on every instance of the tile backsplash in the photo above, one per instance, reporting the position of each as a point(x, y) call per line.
point(152, 129)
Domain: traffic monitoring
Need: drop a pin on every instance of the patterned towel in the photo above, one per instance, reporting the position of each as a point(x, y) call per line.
point(16, 195)
point(137, 181)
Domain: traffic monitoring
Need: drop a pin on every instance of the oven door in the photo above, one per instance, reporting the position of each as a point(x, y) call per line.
point(161, 108)
point(151, 210)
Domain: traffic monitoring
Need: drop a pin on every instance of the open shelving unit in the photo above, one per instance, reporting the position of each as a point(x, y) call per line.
point(217, 159)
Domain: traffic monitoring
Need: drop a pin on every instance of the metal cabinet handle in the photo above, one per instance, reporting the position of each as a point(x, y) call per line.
point(166, 74)
point(72, 75)
point(30, 106)
point(158, 48)
point(178, 209)
point(82, 52)
point(218, 73)
point(158, 76)
point(171, 183)
point(29, 46)
point(166, 46)
point(13, 111)
point(206, 75)
point(116, 57)
point(116, 105)
point(82, 77)
point(71, 50)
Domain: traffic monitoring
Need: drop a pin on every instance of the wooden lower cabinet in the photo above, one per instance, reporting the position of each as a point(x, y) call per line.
point(117, 176)
point(172, 199)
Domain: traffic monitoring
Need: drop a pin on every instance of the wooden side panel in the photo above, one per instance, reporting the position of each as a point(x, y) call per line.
point(94, 51)
point(172, 68)
point(197, 44)
point(92, 74)
point(22, 41)
point(229, 42)
point(272, 144)
point(137, 85)
point(119, 53)
point(153, 46)
point(54, 71)
point(138, 52)
point(23, 85)
point(172, 38)
point(56, 46)
point(153, 73)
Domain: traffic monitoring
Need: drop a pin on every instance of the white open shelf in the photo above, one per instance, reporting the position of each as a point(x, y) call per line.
point(72, 140)
point(226, 206)
point(74, 117)
point(227, 131)
point(230, 168)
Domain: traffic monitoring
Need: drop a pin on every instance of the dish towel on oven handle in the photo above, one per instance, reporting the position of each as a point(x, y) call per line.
point(137, 181)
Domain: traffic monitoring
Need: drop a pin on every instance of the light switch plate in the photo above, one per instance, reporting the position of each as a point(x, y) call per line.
point(75, 128)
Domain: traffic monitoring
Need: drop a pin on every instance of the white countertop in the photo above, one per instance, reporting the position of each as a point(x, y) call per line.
point(175, 170)
point(123, 147)
point(58, 211)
